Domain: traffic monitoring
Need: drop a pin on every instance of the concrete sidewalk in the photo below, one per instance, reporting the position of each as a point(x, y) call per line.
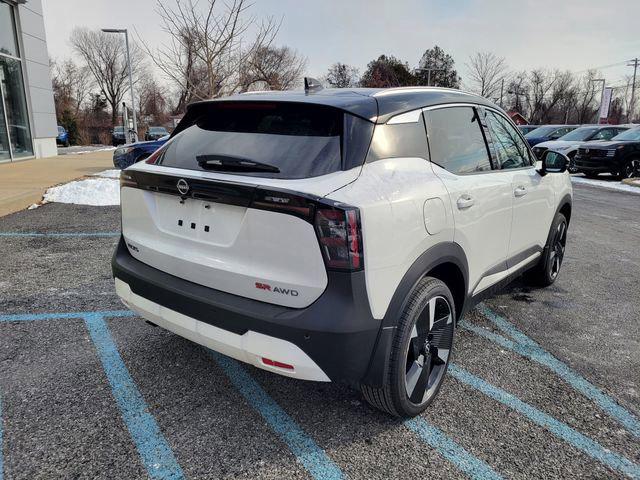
point(23, 183)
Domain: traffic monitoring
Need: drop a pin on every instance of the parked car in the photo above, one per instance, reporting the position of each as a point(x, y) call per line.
point(127, 155)
point(569, 143)
point(118, 136)
point(154, 133)
point(281, 229)
point(527, 128)
point(63, 136)
point(548, 132)
point(619, 157)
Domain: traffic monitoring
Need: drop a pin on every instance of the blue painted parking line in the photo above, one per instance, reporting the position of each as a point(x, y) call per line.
point(152, 447)
point(1, 443)
point(60, 235)
point(466, 462)
point(307, 452)
point(156, 454)
point(527, 347)
point(559, 429)
point(30, 317)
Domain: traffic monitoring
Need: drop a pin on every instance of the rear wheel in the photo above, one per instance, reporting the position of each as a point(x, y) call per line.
point(548, 269)
point(420, 352)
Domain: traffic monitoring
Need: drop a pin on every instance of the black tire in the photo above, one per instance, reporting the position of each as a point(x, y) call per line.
point(547, 270)
point(631, 169)
point(412, 346)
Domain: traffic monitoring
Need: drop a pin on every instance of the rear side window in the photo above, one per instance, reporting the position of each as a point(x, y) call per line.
point(267, 139)
point(456, 141)
point(399, 140)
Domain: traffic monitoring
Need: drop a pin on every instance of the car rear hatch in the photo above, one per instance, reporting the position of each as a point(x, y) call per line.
point(234, 201)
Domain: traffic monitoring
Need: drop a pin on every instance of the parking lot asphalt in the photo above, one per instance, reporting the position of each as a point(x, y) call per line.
point(545, 382)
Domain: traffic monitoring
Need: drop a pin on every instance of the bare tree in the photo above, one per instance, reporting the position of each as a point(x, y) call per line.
point(546, 91)
point(341, 75)
point(272, 68)
point(587, 96)
point(208, 48)
point(486, 72)
point(106, 58)
point(152, 99)
point(71, 86)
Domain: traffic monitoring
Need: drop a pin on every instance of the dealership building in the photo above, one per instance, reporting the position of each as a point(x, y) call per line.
point(27, 112)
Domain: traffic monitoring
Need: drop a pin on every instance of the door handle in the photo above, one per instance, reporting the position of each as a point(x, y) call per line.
point(465, 201)
point(520, 191)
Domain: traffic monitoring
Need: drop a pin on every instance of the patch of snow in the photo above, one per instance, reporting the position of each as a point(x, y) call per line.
point(90, 151)
point(113, 173)
point(611, 185)
point(33, 206)
point(90, 191)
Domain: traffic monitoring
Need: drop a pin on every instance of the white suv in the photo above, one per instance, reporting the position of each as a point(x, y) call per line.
point(338, 235)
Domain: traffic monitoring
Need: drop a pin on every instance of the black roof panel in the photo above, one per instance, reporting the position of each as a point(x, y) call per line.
point(375, 104)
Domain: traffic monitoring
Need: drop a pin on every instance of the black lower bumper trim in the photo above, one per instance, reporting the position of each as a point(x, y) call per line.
point(337, 331)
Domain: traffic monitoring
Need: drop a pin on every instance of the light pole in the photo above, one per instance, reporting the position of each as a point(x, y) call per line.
point(133, 103)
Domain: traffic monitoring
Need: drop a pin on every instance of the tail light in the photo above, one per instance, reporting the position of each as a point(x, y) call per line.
point(337, 227)
point(340, 238)
point(127, 180)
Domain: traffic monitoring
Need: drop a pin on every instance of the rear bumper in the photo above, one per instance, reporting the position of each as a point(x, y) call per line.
point(332, 339)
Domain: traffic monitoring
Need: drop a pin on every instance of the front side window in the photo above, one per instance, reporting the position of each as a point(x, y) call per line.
point(456, 141)
point(606, 134)
point(509, 147)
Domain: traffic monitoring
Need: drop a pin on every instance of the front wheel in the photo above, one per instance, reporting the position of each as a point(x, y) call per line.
point(632, 169)
point(420, 352)
point(548, 268)
point(572, 163)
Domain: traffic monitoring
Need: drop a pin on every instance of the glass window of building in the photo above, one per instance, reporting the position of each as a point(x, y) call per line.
point(15, 133)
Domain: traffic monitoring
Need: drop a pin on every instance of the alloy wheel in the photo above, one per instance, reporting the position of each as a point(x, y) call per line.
point(429, 350)
point(557, 250)
point(632, 169)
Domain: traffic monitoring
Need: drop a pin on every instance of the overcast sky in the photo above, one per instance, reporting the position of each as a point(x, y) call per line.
point(566, 34)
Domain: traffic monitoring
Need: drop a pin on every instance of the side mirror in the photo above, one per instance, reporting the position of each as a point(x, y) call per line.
point(553, 162)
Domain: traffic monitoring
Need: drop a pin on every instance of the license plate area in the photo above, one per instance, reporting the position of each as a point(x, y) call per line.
point(200, 220)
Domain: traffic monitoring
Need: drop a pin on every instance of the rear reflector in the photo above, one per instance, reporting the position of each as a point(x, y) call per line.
point(275, 363)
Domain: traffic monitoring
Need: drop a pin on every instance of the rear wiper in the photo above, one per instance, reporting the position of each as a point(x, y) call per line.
point(229, 163)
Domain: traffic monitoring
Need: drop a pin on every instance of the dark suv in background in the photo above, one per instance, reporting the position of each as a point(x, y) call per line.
point(155, 133)
point(619, 157)
point(548, 132)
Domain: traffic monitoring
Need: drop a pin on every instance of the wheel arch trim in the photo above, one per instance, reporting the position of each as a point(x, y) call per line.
point(439, 254)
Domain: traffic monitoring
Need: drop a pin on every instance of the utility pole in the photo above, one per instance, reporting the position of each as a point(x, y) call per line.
point(517, 92)
point(429, 70)
point(632, 102)
point(501, 92)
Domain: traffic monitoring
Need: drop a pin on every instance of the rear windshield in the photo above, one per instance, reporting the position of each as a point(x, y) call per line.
point(157, 129)
point(290, 140)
